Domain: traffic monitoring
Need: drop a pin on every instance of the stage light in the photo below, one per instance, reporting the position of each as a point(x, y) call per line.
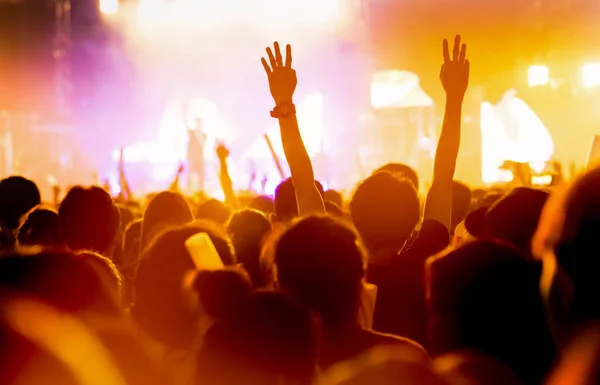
point(397, 89)
point(590, 75)
point(109, 7)
point(538, 75)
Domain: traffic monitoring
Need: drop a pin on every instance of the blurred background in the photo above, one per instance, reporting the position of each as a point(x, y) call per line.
point(81, 79)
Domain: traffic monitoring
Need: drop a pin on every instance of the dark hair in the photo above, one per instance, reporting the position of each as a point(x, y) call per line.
point(159, 304)
point(335, 197)
point(107, 272)
point(18, 196)
point(385, 210)
point(166, 209)
point(59, 278)
point(263, 204)
point(89, 219)
point(248, 229)
point(40, 227)
point(319, 260)
point(335, 211)
point(485, 296)
point(213, 210)
point(272, 339)
point(402, 171)
point(223, 293)
point(286, 206)
point(461, 203)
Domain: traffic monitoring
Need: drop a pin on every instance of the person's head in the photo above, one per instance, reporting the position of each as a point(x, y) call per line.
point(513, 218)
point(131, 238)
point(127, 215)
point(165, 210)
point(385, 210)
point(222, 293)
point(215, 211)
point(160, 306)
point(18, 196)
point(89, 219)
point(262, 203)
point(286, 206)
point(271, 341)
point(59, 278)
point(107, 272)
point(319, 260)
point(248, 230)
point(335, 211)
point(334, 196)
point(461, 203)
point(485, 296)
point(402, 171)
point(40, 227)
point(567, 241)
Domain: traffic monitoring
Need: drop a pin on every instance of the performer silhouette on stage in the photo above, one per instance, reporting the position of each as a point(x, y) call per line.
point(195, 157)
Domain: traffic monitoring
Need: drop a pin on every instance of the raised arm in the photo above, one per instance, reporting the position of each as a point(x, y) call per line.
point(455, 79)
point(282, 83)
point(224, 177)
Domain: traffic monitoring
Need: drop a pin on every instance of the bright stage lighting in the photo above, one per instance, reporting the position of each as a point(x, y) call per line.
point(590, 75)
point(204, 13)
point(397, 89)
point(109, 7)
point(511, 131)
point(538, 75)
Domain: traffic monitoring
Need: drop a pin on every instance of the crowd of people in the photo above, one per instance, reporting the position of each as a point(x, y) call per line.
point(458, 287)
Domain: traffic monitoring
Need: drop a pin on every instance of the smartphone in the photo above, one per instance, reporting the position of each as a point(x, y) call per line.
point(203, 252)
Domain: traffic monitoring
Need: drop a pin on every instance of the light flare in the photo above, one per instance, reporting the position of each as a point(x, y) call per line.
point(511, 131)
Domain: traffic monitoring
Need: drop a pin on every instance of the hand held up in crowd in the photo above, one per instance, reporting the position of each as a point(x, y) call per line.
point(281, 75)
point(454, 73)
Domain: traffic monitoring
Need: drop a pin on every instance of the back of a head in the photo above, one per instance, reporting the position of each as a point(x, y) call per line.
point(335, 211)
point(334, 197)
point(262, 203)
point(385, 210)
point(40, 227)
point(58, 278)
point(319, 260)
point(159, 304)
point(127, 215)
point(461, 202)
point(515, 217)
point(286, 206)
point(18, 196)
point(402, 171)
point(485, 296)
point(222, 293)
point(272, 341)
point(248, 229)
point(572, 236)
point(106, 270)
point(89, 219)
point(166, 209)
point(215, 211)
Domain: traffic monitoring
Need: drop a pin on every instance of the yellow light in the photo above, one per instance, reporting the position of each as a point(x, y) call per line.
point(538, 75)
point(590, 75)
point(109, 7)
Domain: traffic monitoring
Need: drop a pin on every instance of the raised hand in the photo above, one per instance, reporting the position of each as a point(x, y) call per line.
point(454, 74)
point(222, 151)
point(282, 77)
